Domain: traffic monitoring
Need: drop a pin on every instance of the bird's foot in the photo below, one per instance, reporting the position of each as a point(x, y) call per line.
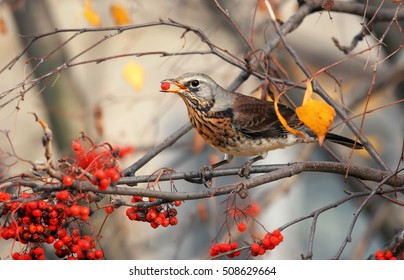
point(206, 175)
point(245, 169)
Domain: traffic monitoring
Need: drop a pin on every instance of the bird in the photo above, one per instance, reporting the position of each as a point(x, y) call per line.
point(240, 125)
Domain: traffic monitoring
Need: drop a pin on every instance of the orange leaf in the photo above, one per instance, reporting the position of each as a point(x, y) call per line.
point(202, 211)
point(120, 15)
point(316, 115)
point(3, 27)
point(309, 91)
point(284, 122)
point(90, 15)
point(134, 74)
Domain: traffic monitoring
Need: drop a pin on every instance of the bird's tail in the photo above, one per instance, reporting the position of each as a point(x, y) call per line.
point(343, 141)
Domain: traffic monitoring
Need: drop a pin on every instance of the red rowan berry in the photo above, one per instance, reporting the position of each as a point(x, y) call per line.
point(173, 221)
point(53, 221)
point(39, 251)
point(158, 220)
point(62, 195)
point(39, 228)
point(261, 251)
point(76, 145)
point(37, 213)
point(388, 254)
point(109, 209)
point(234, 245)
point(58, 244)
point(165, 85)
point(15, 256)
point(90, 255)
point(254, 209)
point(75, 210)
point(75, 248)
point(255, 247)
point(67, 180)
point(32, 205)
point(104, 184)
point(214, 250)
point(154, 225)
point(165, 222)
point(84, 244)
point(50, 239)
point(42, 205)
point(25, 220)
point(100, 174)
point(98, 253)
point(84, 210)
point(53, 214)
point(241, 227)
point(32, 228)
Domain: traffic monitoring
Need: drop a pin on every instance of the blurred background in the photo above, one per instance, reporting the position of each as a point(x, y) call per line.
point(118, 101)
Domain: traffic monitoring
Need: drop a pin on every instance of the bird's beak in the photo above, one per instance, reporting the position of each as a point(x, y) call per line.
point(170, 85)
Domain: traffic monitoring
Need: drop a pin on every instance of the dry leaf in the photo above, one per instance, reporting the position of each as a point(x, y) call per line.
point(202, 211)
point(3, 27)
point(120, 15)
point(90, 15)
point(316, 115)
point(133, 72)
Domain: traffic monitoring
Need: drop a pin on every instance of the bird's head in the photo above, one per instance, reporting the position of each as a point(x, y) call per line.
point(195, 88)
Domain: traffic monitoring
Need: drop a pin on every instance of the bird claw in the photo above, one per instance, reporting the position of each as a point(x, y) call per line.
point(245, 169)
point(206, 175)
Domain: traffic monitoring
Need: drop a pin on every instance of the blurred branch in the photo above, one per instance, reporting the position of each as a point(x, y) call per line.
point(272, 173)
point(369, 12)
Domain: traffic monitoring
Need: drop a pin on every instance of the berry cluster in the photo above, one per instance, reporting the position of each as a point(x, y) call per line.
point(161, 215)
point(385, 255)
point(42, 222)
point(220, 248)
point(269, 242)
point(99, 163)
point(37, 253)
point(74, 246)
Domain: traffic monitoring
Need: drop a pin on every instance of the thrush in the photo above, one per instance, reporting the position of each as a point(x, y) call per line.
point(237, 124)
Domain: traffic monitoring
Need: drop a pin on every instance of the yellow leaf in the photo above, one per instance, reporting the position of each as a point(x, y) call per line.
point(133, 72)
point(316, 115)
point(90, 15)
point(284, 122)
point(3, 27)
point(120, 15)
point(309, 91)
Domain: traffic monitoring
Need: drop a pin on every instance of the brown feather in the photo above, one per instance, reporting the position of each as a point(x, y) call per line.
point(257, 118)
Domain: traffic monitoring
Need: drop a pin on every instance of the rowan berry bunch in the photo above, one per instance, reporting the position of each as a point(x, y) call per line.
point(221, 248)
point(269, 242)
point(53, 221)
point(160, 215)
point(259, 247)
point(96, 163)
point(240, 217)
point(386, 255)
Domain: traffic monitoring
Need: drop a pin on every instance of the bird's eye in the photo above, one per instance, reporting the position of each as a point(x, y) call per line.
point(194, 83)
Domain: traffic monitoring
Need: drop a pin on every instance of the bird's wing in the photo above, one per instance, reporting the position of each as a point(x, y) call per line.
point(257, 118)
